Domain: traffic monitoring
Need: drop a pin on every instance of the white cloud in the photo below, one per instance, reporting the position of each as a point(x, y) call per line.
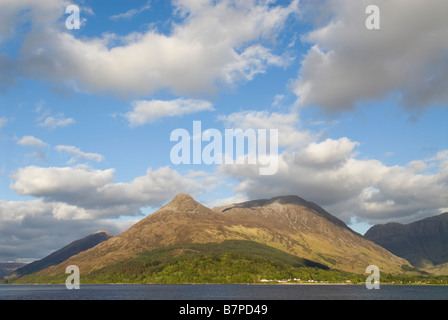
point(65, 184)
point(288, 124)
point(46, 119)
point(348, 64)
point(30, 141)
point(95, 193)
point(329, 173)
point(328, 153)
point(149, 111)
point(214, 43)
point(254, 60)
point(278, 100)
point(38, 145)
point(31, 230)
point(55, 122)
point(238, 198)
point(39, 13)
point(78, 154)
point(131, 13)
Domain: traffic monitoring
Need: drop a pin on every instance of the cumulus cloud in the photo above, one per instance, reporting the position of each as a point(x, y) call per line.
point(348, 64)
point(67, 184)
point(30, 141)
point(288, 124)
point(93, 193)
point(212, 44)
point(15, 12)
point(72, 202)
point(31, 230)
point(329, 153)
point(145, 111)
point(329, 173)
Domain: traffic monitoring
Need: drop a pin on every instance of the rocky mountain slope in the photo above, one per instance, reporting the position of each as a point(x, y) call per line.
point(423, 243)
point(289, 224)
point(8, 268)
point(63, 254)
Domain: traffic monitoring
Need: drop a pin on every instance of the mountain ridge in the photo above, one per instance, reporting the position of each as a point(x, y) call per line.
point(289, 199)
point(289, 224)
point(424, 243)
point(6, 268)
point(62, 254)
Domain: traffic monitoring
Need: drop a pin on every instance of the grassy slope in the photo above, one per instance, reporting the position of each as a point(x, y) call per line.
point(283, 225)
point(232, 261)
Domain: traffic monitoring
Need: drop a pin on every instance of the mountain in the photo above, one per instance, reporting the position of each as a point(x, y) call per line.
point(63, 254)
point(423, 243)
point(303, 228)
point(288, 224)
point(9, 267)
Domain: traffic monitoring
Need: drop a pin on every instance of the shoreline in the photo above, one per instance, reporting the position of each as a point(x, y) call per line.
point(228, 284)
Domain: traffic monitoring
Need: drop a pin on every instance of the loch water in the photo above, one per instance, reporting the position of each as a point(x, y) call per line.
point(223, 292)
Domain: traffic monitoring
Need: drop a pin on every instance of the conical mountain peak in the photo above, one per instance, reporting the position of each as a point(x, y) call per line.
point(289, 223)
point(185, 203)
point(183, 197)
point(181, 200)
point(105, 232)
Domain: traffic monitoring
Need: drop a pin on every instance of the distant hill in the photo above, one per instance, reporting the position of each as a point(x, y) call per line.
point(8, 268)
point(423, 243)
point(288, 224)
point(62, 254)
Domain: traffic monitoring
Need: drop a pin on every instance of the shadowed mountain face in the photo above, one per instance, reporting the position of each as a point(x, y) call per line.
point(289, 224)
point(287, 200)
point(423, 243)
point(63, 254)
point(8, 268)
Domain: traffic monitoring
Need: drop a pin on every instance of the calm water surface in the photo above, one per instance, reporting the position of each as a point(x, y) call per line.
point(222, 292)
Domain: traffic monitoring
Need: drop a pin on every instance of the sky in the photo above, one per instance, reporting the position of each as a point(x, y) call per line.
point(87, 114)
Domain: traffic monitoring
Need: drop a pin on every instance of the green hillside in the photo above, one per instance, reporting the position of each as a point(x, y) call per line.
point(233, 261)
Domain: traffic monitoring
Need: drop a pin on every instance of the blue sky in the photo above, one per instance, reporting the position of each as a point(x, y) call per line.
point(86, 115)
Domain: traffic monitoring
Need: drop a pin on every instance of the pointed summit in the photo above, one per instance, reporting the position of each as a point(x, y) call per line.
point(289, 223)
point(182, 197)
point(185, 203)
point(104, 232)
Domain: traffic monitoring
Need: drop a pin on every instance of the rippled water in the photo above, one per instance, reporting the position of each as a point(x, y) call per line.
point(222, 292)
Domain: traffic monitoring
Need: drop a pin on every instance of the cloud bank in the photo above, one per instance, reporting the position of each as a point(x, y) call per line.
point(214, 44)
point(348, 64)
point(331, 173)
